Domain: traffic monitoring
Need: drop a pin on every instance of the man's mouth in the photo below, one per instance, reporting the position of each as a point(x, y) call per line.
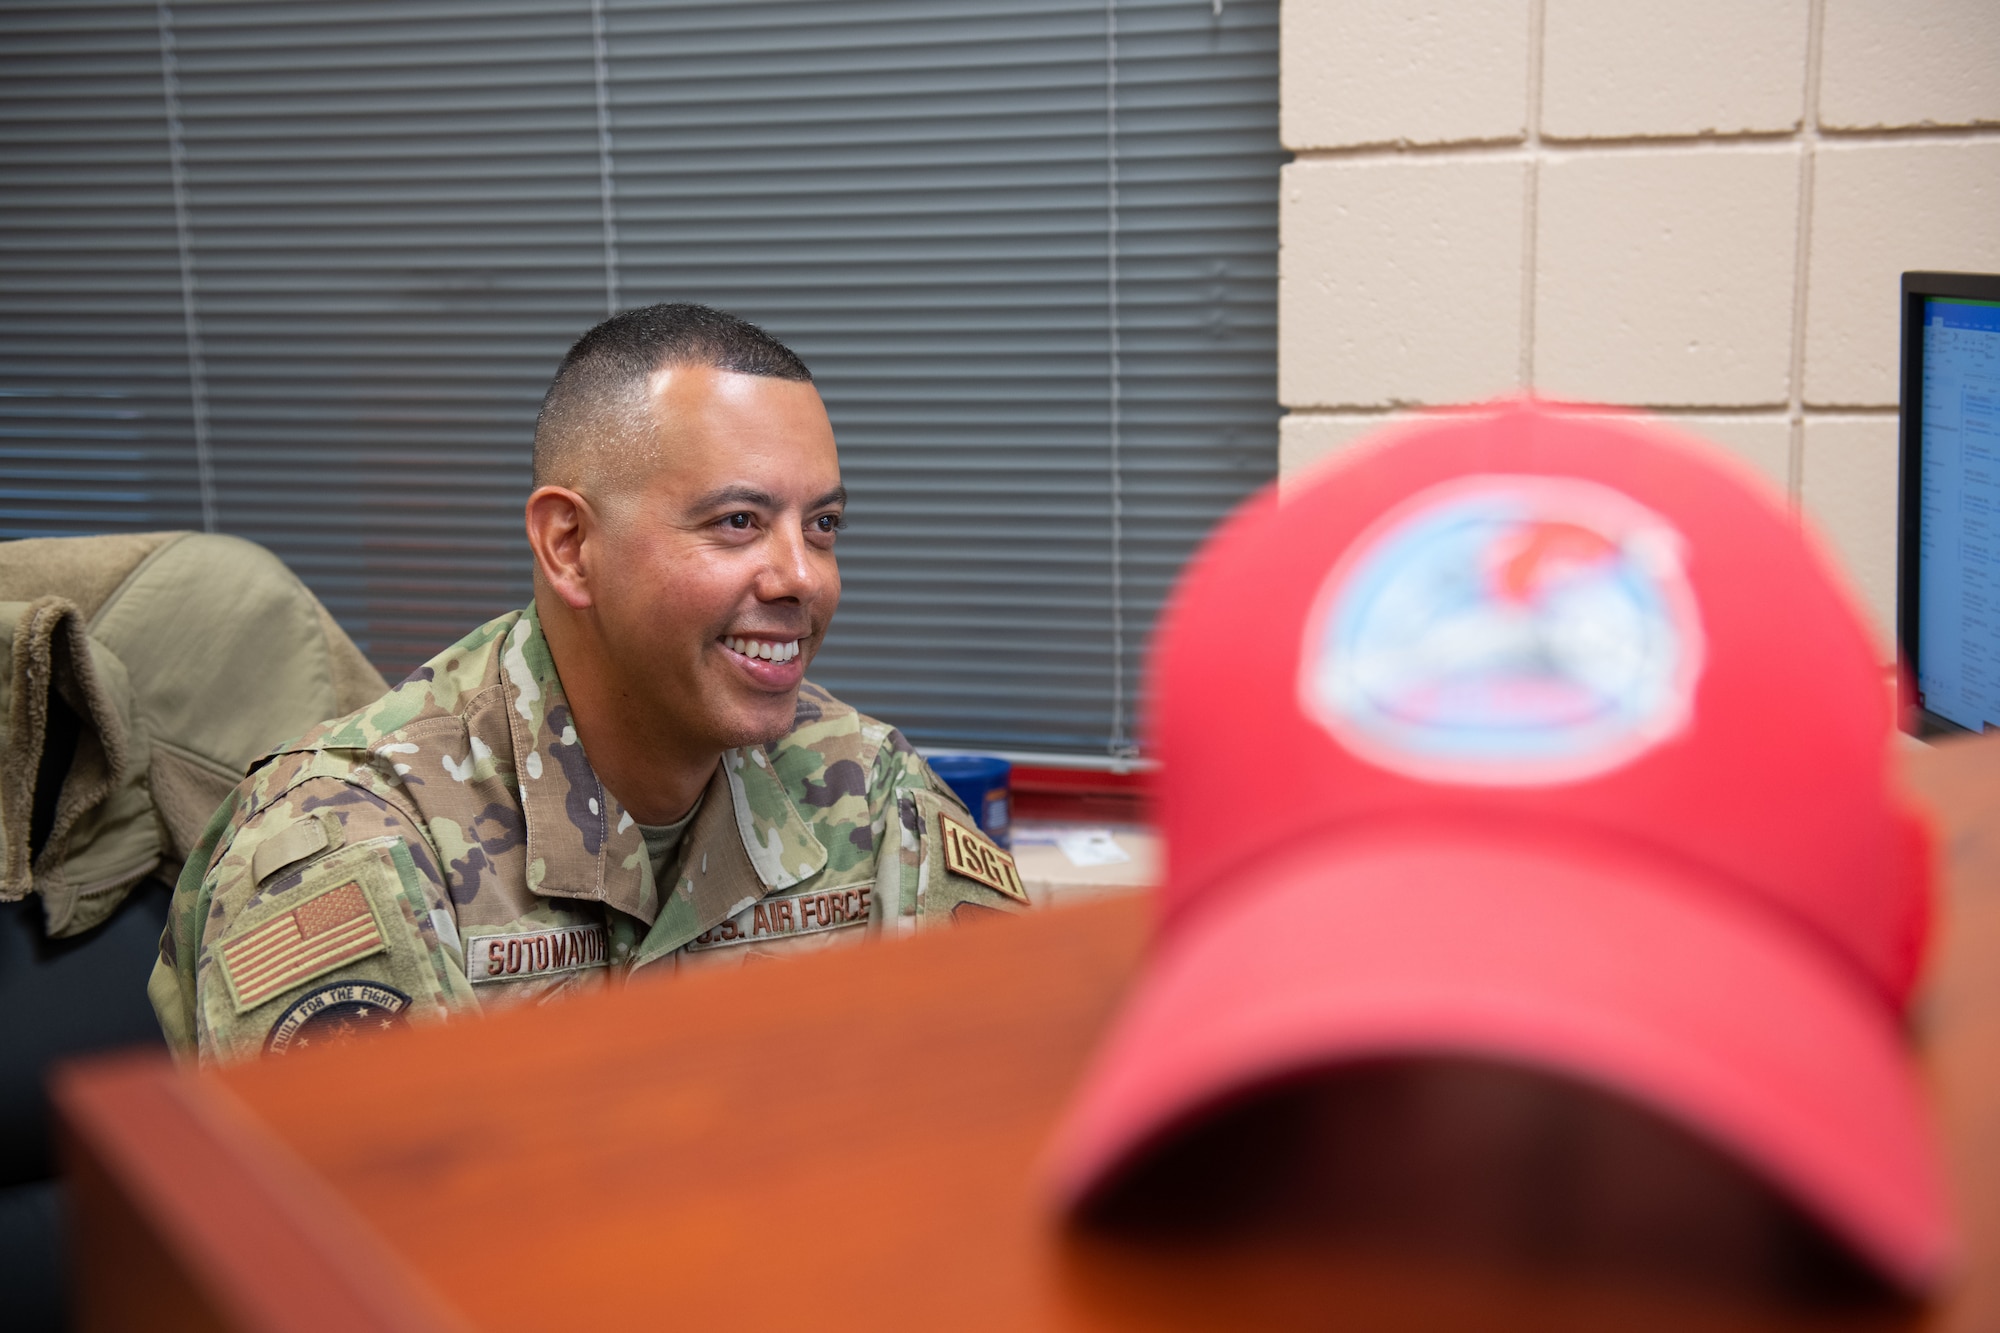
point(763, 650)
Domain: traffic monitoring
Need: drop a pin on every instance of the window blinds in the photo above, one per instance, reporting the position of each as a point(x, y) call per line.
point(301, 272)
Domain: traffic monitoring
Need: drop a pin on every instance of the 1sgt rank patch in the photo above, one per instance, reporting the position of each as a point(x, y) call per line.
point(968, 854)
point(534, 953)
point(337, 1013)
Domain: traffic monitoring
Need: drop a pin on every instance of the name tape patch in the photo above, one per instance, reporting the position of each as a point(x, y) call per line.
point(318, 935)
point(337, 1013)
point(968, 854)
point(534, 953)
point(802, 914)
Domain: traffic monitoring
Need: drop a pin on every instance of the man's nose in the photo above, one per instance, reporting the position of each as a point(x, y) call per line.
point(792, 571)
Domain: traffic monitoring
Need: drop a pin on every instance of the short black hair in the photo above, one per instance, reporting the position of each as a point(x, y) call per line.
point(598, 390)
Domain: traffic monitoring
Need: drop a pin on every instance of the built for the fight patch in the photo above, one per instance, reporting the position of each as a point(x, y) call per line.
point(968, 854)
point(534, 953)
point(326, 930)
point(337, 1013)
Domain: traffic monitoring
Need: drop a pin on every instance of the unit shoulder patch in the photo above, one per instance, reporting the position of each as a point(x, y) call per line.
point(336, 1013)
point(967, 853)
point(332, 927)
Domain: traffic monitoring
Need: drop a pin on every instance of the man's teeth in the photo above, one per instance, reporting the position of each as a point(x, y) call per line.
point(760, 648)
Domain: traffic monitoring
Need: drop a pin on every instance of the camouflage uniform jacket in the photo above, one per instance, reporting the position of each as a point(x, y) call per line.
point(449, 847)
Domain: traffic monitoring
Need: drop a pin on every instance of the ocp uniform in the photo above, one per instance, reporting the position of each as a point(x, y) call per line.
point(450, 847)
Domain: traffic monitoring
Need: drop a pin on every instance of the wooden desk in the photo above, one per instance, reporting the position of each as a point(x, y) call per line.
point(844, 1141)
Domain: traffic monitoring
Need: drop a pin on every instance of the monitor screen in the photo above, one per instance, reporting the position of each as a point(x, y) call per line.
point(1951, 451)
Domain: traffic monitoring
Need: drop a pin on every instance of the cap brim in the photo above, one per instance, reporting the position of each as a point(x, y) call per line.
point(1621, 972)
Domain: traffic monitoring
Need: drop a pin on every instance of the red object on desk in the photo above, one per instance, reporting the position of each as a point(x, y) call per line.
point(1079, 795)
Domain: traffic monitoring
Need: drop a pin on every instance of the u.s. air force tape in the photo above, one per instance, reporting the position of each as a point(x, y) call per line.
point(534, 953)
point(800, 914)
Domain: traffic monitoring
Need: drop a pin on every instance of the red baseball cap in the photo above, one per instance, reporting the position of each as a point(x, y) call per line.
point(1547, 737)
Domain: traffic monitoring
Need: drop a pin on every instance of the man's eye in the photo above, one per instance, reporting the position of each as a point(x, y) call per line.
point(740, 522)
point(829, 523)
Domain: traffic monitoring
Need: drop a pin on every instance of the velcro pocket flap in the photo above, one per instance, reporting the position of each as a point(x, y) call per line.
point(291, 845)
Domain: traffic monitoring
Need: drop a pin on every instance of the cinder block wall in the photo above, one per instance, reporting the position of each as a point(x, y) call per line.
point(1699, 207)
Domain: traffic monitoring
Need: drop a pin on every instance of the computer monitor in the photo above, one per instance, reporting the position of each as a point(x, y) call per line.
point(1948, 511)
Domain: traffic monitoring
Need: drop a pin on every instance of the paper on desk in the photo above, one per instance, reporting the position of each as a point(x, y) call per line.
point(1091, 847)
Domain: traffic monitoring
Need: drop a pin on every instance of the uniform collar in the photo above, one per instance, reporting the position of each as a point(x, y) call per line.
point(748, 840)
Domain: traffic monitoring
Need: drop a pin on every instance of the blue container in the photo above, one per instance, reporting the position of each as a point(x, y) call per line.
point(981, 782)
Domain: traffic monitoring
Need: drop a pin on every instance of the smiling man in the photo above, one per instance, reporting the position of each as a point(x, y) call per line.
point(630, 773)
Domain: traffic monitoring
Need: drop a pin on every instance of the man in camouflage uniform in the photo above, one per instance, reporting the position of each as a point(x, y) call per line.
point(451, 847)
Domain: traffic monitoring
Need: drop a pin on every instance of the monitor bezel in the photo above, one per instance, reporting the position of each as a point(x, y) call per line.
point(1918, 287)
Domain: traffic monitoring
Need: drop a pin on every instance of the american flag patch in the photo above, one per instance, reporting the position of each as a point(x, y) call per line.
point(321, 933)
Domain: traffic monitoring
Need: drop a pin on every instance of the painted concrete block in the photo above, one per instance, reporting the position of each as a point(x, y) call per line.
point(1399, 281)
point(1310, 441)
point(1307, 439)
point(1618, 69)
point(1402, 71)
point(1880, 209)
point(1763, 443)
point(1914, 62)
point(1665, 277)
point(1848, 486)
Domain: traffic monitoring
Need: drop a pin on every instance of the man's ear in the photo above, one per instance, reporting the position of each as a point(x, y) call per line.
point(562, 529)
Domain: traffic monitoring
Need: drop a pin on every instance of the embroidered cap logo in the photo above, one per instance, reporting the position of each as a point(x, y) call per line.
point(1506, 631)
